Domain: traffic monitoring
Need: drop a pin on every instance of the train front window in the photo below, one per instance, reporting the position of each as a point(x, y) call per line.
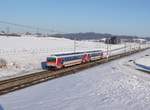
point(51, 59)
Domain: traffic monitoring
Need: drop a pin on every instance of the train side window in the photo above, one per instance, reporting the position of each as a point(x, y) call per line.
point(51, 59)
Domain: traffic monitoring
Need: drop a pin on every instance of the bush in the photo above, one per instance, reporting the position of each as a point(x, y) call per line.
point(43, 65)
point(3, 63)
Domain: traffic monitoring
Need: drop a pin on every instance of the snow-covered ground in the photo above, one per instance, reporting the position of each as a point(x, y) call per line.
point(116, 85)
point(25, 54)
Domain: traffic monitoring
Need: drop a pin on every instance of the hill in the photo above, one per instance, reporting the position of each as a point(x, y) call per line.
point(90, 35)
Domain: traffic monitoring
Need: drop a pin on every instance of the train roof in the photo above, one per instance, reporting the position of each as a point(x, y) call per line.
point(64, 54)
point(76, 53)
point(93, 51)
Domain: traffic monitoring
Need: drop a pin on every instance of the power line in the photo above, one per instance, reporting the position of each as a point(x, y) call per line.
point(28, 27)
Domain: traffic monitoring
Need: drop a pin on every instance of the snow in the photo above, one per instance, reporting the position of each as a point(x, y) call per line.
point(144, 61)
point(25, 54)
point(116, 85)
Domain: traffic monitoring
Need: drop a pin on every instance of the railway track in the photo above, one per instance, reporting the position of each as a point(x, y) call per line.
point(20, 82)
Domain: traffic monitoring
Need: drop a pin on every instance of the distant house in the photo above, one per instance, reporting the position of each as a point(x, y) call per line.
point(28, 33)
point(113, 40)
point(102, 40)
point(140, 40)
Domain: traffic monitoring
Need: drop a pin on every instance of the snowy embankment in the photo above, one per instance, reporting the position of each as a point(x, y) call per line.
point(25, 54)
point(143, 63)
point(116, 85)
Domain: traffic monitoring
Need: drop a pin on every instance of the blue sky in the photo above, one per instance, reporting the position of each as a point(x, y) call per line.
point(129, 17)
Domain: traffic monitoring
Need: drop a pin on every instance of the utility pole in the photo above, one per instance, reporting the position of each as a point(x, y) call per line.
point(107, 50)
point(110, 49)
point(37, 30)
point(125, 45)
point(74, 45)
point(7, 31)
point(139, 45)
point(130, 48)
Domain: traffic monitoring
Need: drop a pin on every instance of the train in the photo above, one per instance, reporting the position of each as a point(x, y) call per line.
point(58, 61)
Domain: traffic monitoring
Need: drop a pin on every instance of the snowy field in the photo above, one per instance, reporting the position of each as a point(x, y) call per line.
point(116, 85)
point(25, 54)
